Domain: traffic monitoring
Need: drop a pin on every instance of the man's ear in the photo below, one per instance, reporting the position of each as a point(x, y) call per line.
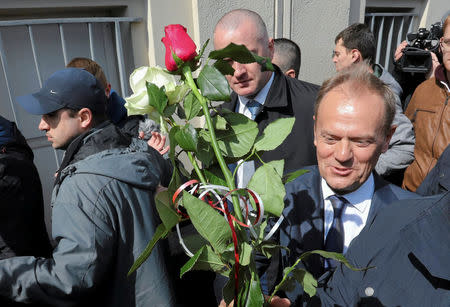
point(314, 131)
point(356, 56)
point(86, 118)
point(271, 47)
point(388, 138)
point(290, 73)
point(108, 90)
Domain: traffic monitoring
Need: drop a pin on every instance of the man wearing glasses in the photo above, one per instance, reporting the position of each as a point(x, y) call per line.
point(429, 112)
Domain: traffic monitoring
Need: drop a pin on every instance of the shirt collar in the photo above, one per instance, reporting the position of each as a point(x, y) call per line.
point(262, 94)
point(356, 198)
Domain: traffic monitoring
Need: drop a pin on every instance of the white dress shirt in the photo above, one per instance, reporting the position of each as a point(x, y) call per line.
point(354, 216)
point(241, 178)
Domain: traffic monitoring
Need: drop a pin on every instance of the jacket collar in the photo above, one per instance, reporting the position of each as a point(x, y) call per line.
point(102, 137)
point(441, 77)
point(276, 97)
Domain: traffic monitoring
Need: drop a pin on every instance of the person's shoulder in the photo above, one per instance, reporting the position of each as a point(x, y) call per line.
point(306, 180)
point(426, 86)
point(404, 211)
point(402, 193)
point(302, 85)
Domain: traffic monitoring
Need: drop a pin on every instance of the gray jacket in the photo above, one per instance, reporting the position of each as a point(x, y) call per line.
point(103, 217)
point(401, 147)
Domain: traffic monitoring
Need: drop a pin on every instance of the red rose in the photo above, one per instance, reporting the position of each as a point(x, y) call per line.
point(178, 41)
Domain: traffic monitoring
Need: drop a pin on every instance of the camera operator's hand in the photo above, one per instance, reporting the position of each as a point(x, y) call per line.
point(434, 64)
point(399, 51)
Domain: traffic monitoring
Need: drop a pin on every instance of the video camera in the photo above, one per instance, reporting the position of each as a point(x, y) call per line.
point(415, 58)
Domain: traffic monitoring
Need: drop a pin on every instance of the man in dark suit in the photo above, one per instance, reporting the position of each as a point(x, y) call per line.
point(409, 247)
point(329, 206)
point(275, 95)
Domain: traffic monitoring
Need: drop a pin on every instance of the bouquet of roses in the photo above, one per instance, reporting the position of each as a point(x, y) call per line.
point(232, 221)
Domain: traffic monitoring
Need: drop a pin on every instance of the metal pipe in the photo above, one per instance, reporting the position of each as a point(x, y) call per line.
point(120, 62)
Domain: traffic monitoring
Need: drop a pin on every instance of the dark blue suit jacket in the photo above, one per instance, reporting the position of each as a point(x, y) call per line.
point(303, 226)
point(409, 246)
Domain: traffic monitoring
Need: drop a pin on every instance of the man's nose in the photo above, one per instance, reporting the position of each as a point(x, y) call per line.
point(343, 151)
point(239, 69)
point(43, 126)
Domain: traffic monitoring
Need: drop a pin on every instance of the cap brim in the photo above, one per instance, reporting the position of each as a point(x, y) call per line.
point(34, 106)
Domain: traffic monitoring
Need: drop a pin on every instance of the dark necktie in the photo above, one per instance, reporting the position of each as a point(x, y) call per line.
point(334, 241)
point(254, 107)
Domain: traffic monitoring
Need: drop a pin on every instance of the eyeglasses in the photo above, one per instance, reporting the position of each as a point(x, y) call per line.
point(445, 44)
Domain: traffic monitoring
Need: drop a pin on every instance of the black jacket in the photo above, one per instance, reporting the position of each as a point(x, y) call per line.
point(22, 226)
point(288, 97)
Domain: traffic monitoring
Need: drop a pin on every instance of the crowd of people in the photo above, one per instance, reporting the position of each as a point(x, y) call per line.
point(376, 190)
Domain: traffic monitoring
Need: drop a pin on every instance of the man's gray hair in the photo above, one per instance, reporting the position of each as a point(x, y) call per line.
point(233, 19)
point(356, 80)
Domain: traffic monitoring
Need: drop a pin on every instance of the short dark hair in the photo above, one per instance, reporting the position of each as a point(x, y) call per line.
point(290, 55)
point(98, 117)
point(91, 66)
point(358, 36)
point(360, 80)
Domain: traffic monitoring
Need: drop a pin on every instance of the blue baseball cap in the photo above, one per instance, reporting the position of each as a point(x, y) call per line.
point(72, 88)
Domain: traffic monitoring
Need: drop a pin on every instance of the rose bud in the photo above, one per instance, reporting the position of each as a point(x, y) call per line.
point(178, 41)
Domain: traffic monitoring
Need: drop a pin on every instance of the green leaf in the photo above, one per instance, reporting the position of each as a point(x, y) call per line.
point(250, 293)
point(170, 110)
point(194, 241)
point(302, 276)
point(177, 60)
point(245, 253)
point(292, 176)
point(178, 94)
point(191, 262)
point(191, 106)
point(269, 249)
point(160, 232)
point(165, 209)
point(205, 152)
point(267, 183)
point(238, 53)
point(278, 165)
point(241, 54)
point(209, 223)
point(219, 123)
point(336, 256)
point(266, 63)
point(224, 67)
point(274, 134)
point(308, 282)
point(213, 84)
point(204, 259)
point(187, 138)
point(239, 138)
point(156, 97)
point(214, 175)
point(200, 54)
